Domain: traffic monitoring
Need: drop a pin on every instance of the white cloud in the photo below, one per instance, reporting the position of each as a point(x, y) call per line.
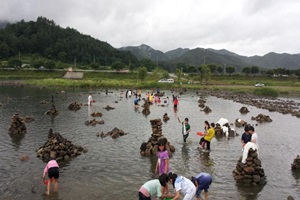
point(246, 27)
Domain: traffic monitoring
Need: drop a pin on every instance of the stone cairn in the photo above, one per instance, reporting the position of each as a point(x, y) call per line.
point(150, 147)
point(296, 164)
point(146, 108)
point(74, 106)
point(115, 133)
point(52, 111)
point(93, 122)
point(201, 103)
point(59, 148)
point(17, 126)
point(166, 117)
point(240, 123)
point(262, 118)
point(251, 172)
point(96, 114)
point(206, 110)
point(244, 110)
point(108, 108)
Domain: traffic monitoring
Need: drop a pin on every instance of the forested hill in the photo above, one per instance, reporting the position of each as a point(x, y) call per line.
point(47, 39)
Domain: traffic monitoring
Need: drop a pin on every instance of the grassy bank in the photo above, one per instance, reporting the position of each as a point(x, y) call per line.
point(236, 83)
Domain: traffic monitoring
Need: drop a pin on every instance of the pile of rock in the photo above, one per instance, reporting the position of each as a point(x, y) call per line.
point(52, 111)
point(17, 126)
point(146, 108)
point(108, 108)
point(296, 164)
point(251, 172)
point(93, 122)
point(96, 114)
point(115, 133)
point(206, 109)
point(262, 118)
point(59, 148)
point(74, 106)
point(166, 117)
point(27, 119)
point(150, 147)
point(201, 103)
point(240, 123)
point(244, 110)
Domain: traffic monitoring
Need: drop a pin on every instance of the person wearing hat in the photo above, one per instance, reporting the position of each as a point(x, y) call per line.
point(155, 188)
point(182, 186)
point(202, 182)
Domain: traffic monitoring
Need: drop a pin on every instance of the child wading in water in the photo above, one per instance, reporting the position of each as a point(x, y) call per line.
point(186, 128)
point(52, 169)
point(162, 164)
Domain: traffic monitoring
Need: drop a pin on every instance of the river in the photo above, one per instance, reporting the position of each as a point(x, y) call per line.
point(114, 168)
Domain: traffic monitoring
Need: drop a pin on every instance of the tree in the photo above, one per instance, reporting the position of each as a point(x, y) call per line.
point(246, 70)
point(212, 67)
point(230, 70)
point(50, 65)
point(14, 62)
point(220, 70)
point(178, 74)
point(94, 66)
point(37, 63)
point(142, 73)
point(205, 73)
point(146, 62)
point(117, 65)
point(254, 70)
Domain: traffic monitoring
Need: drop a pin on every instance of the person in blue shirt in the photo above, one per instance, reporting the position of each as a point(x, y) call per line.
point(136, 102)
point(202, 182)
point(246, 136)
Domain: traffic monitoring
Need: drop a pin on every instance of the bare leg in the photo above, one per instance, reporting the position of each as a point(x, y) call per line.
point(206, 196)
point(48, 187)
point(55, 185)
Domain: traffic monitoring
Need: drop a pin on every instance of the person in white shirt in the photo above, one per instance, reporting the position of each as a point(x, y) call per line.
point(254, 136)
point(182, 186)
point(90, 99)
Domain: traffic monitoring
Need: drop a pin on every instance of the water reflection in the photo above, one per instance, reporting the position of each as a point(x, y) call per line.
point(185, 150)
point(296, 175)
point(249, 192)
point(16, 139)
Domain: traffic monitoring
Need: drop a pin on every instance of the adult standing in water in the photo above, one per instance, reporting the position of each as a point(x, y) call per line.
point(90, 99)
point(186, 128)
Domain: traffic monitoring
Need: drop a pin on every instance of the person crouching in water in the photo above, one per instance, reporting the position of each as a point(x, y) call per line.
point(182, 186)
point(202, 182)
point(155, 188)
point(52, 169)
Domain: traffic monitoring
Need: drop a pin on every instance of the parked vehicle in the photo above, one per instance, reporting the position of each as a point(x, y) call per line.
point(259, 85)
point(166, 80)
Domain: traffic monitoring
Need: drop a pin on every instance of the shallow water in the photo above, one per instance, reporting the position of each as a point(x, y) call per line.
point(114, 169)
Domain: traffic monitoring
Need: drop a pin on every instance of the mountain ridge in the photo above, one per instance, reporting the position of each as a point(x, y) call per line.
point(198, 56)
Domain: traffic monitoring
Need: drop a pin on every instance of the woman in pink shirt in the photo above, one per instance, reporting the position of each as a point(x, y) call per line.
point(52, 169)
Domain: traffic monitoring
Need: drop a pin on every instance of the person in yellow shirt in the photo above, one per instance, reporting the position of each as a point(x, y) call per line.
point(208, 135)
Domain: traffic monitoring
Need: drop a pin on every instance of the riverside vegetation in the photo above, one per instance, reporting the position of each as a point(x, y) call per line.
point(236, 83)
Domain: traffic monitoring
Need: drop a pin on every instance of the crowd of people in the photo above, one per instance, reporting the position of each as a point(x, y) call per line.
point(189, 188)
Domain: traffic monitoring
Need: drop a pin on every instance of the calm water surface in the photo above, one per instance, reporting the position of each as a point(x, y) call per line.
point(114, 169)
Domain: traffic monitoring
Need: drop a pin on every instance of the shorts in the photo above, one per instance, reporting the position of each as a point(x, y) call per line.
point(53, 172)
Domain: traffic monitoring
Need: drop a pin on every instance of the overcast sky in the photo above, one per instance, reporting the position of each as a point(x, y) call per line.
point(246, 27)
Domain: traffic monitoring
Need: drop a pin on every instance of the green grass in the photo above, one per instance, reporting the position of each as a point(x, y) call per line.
point(238, 84)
